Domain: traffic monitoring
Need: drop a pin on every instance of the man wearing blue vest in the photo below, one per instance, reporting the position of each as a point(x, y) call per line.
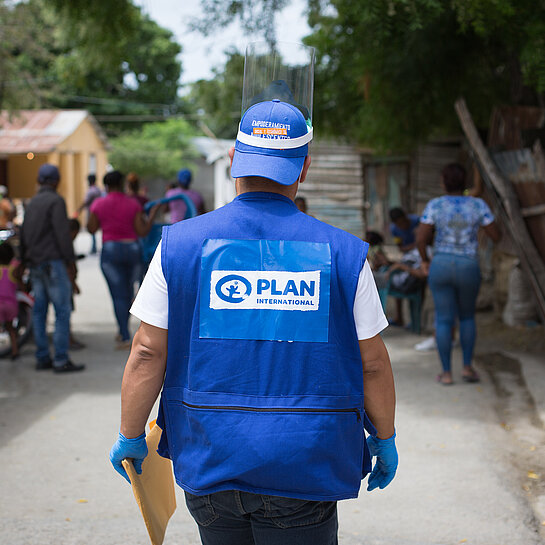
point(261, 326)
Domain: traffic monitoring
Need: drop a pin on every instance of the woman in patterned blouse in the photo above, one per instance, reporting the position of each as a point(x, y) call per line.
point(452, 223)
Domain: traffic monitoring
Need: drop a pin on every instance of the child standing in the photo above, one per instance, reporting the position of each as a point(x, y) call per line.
point(10, 277)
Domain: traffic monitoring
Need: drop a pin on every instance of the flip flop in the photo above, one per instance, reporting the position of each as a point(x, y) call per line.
point(439, 379)
point(471, 378)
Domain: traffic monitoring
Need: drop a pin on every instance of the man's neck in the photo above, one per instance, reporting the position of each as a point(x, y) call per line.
point(255, 184)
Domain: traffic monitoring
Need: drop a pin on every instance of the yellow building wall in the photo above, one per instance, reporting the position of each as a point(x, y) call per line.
point(84, 138)
point(23, 175)
point(72, 156)
point(76, 153)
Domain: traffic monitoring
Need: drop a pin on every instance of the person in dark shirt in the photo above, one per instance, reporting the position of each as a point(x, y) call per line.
point(403, 229)
point(46, 249)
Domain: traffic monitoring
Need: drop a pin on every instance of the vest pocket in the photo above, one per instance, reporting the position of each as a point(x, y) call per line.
point(304, 446)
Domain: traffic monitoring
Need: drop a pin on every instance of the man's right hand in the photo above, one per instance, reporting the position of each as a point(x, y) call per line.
point(135, 449)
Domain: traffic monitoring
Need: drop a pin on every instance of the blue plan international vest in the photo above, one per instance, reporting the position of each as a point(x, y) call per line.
point(263, 389)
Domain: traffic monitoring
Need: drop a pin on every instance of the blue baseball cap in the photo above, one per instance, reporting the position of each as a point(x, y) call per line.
point(272, 142)
point(184, 177)
point(48, 174)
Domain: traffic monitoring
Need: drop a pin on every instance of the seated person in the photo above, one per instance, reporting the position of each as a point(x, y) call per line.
point(378, 261)
point(403, 229)
point(407, 276)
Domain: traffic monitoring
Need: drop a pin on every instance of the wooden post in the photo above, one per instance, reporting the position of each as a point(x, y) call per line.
point(529, 257)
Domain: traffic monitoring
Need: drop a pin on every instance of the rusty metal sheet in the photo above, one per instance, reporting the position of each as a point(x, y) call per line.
point(508, 123)
point(37, 131)
point(517, 165)
point(521, 168)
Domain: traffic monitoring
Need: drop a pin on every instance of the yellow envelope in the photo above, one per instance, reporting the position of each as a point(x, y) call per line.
point(154, 488)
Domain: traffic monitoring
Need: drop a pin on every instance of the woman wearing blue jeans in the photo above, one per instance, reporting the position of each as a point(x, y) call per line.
point(452, 223)
point(122, 221)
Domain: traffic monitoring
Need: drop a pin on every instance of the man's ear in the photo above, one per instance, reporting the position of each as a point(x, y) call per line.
point(231, 153)
point(306, 166)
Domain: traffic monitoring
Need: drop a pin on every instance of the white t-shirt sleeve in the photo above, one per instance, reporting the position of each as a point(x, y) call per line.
point(368, 314)
point(151, 302)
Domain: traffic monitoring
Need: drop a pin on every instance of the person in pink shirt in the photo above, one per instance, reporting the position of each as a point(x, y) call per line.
point(122, 221)
point(10, 277)
point(178, 208)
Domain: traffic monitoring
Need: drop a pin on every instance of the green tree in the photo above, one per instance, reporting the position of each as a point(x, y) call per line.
point(145, 80)
point(98, 27)
point(157, 150)
point(219, 99)
point(389, 71)
point(255, 16)
point(52, 58)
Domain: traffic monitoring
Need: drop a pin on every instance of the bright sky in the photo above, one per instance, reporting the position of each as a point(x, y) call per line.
point(200, 54)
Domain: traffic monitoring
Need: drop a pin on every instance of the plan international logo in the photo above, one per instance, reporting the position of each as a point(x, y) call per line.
point(267, 290)
point(290, 303)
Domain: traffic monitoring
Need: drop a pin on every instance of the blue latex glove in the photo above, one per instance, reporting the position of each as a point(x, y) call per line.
point(386, 465)
point(135, 449)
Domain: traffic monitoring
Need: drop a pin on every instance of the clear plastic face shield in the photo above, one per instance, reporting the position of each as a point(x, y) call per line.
point(284, 72)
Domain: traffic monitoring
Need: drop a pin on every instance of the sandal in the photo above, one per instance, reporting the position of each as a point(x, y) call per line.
point(472, 377)
point(440, 380)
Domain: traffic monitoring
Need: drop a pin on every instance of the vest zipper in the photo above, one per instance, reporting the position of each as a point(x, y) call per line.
point(273, 410)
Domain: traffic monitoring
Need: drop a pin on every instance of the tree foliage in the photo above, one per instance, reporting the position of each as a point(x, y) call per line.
point(97, 27)
point(389, 71)
point(156, 150)
point(219, 99)
point(255, 16)
point(106, 57)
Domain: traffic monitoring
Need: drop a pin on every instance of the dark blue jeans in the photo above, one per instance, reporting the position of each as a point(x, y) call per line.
point(454, 283)
point(121, 265)
point(241, 518)
point(51, 284)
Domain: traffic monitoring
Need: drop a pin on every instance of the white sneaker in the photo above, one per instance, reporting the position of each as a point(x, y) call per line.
point(426, 345)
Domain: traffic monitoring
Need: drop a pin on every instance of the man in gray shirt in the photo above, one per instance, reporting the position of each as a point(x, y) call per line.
point(46, 248)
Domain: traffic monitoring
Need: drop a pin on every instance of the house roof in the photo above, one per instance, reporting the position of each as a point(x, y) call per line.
point(212, 148)
point(40, 131)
